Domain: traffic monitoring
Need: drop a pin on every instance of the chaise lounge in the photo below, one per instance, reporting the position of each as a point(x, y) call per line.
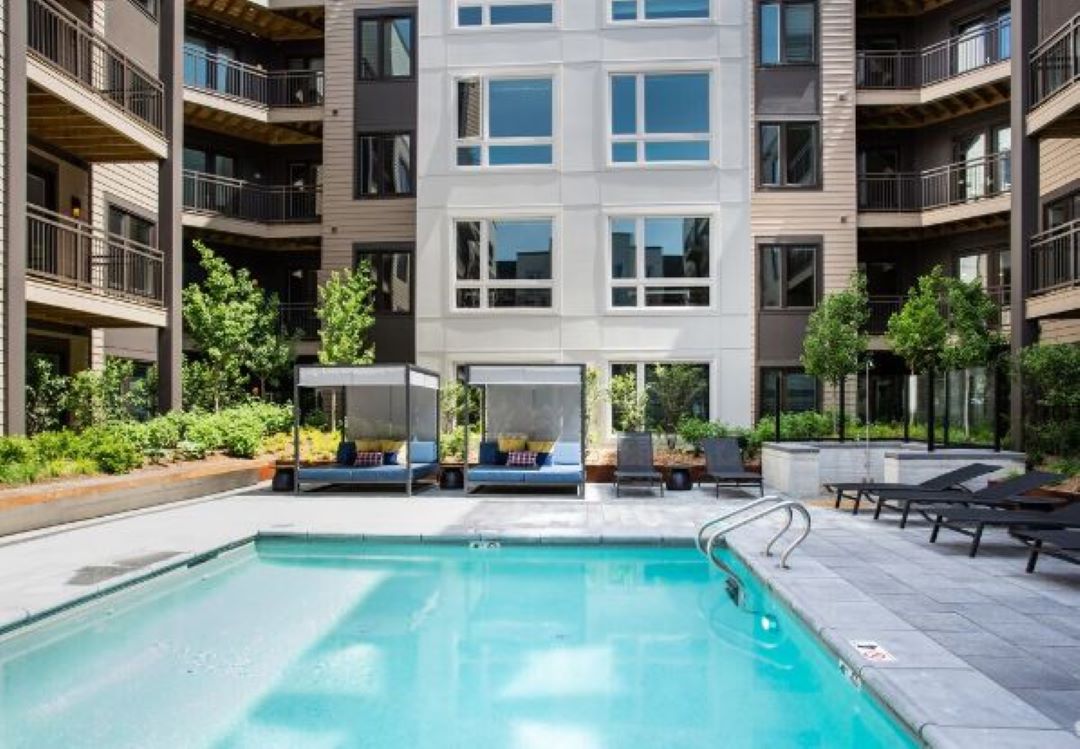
point(949, 481)
point(634, 463)
point(724, 466)
point(1061, 544)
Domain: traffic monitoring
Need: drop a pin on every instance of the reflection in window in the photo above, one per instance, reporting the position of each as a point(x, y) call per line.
point(503, 263)
point(384, 165)
point(644, 374)
point(658, 10)
point(788, 274)
point(788, 154)
point(392, 273)
point(660, 261)
point(659, 117)
point(787, 32)
point(471, 14)
point(384, 48)
point(505, 121)
point(797, 391)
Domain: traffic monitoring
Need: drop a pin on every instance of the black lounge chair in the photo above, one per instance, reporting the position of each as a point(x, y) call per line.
point(950, 480)
point(1063, 544)
point(1004, 494)
point(634, 462)
point(723, 465)
point(972, 521)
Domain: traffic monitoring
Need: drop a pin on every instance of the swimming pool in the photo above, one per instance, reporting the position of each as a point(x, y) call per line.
point(341, 644)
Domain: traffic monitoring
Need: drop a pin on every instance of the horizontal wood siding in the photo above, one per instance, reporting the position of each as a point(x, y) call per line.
point(1059, 163)
point(1059, 331)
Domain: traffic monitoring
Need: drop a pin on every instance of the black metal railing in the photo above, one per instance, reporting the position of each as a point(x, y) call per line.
point(67, 44)
point(1055, 258)
point(952, 184)
point(72, 253)
point(224, 76)
point(299, 319)
point(881, 309)
point(1056, 62)
point(912, 68)
point(236, 198)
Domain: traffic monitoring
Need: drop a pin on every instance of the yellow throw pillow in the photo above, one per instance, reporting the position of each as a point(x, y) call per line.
point(509, 443)
point(393, 446)
point(541, 446)
point(368, 446)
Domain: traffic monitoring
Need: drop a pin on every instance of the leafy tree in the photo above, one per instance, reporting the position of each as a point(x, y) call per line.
point(627, 403)
point(919, 332)
point(674, 390)
point(346, 315)
point(271, 351)
point(593, 395)
point(86, 400)
point(973, 314)
point(46, 393)
point(1049, 377)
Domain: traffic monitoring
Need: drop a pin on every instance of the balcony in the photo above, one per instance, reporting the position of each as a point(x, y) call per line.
point(1055, 272)
point(299, 319)
point(240, 207)
point(959, 75)
point(954, 192)
point(882, 307)
point(87, 275)
point(1055, 95)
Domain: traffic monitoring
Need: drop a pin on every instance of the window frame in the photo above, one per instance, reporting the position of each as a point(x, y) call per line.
point(786, 246)
point(383, 19)
point(484, 141)
point(640, 136)
point(640, 281)
point(485, 15)
point(783, 62)
point(362, 250)
point(818, 180)
point(639, 16)
point(640, 368)
point(486, 283)
point(358, 194)
point(785, 371)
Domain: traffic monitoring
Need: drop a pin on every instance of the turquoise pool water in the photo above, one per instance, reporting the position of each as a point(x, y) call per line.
point(335, 644)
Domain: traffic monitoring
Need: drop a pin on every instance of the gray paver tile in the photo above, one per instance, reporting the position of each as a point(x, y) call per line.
point(931, 621)
point(1061, 705)
point(948, 737)
point(910, 649)
point(1023, 673)
point(968, 642)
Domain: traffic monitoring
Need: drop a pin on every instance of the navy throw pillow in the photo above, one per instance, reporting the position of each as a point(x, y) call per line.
point(543, 459)
point(489, 454)
point(346, 454)
point(389, 459)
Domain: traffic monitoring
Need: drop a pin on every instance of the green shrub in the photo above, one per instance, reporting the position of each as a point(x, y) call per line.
point(19, 473)
point(205, 431)
point(242, 437)
point(16, 450)
point(55, 445)
point(164, 432)
point(693, 430)
point(111, 448)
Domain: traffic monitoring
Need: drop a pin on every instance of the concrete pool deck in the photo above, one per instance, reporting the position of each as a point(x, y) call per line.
point(984, 654)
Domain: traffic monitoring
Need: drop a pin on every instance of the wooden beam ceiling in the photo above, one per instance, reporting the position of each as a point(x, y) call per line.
point(66, 127)
point(922, 233)
point(278, 25)
point(965, 102)
point(215, 238)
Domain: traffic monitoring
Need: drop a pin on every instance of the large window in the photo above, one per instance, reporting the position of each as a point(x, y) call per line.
point(788, 154)
point(503, 263)
point(797, 390)
point(658, 10)
point(505, 121)
point(385, 48)
point(660, 261)
point(392, 272)
point(645, 375)
point(788, 276)
point(127, 267)
point(383, 165)
point(659, 117)
point(786, 32)
point(471, 13)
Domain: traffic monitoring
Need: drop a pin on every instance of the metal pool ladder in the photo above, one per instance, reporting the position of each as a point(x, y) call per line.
point(720, 526)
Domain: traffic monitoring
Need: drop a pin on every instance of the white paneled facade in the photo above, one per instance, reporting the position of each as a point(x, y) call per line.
point(583, 190)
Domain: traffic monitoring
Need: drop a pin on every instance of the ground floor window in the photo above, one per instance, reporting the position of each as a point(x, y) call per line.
point(796, 390)
point(650, 381)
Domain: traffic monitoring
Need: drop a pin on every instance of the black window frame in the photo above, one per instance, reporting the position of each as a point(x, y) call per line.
point(783, 62)
point(785, 248)
point(784, 184)
point(387, 135)
point(768, 374)
point(382, 20)
point(365, 251)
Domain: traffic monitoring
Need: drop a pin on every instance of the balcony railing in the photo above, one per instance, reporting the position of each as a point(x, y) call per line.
point(952, 184)
point(912, 68)
point(224, 76)
point(299, 319)
point(72, 253)
point(882, 307)
point(1056, 62)
point(64, 42)
point(235, 198)
point(1055, 258)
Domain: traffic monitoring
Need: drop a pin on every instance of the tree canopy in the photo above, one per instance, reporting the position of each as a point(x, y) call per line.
point(836, 339)
point(346, 315)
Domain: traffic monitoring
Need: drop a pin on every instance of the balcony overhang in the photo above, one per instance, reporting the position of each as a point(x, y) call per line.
point(1058, 116)
point(64, 114)
point(63, 304)
point(956, 97)
point(253, 229)
point(897, 8)
point(276, 20)
point(1061, 304)
point(963, 216)
point(278, 126)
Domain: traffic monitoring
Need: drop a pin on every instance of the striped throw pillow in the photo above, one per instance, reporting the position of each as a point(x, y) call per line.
point(521, 459)
point(369, 459)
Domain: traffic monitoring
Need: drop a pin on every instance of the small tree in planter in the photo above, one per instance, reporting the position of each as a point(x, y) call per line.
point(835, 342)
point(346, 314)
point(627, 403)
point(271, 353)
point(674, 390)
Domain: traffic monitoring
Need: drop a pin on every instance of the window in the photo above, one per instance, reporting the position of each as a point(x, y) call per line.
point(128, 267)
point(503, 263)
point(659, 262)
point(786, 33)
point(657, 117)
point(787, 154)
point(1061, 211)
point(149, 7)
point(798, 391)
point(383, 165)
point(645, 375)
point(658, 10)
point(391, 270)
point(788, 276)
point(471, 13)
point(384, 48)
point(505, 121)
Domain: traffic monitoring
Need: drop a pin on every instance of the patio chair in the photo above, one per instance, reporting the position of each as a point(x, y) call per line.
point(1007, 493)
point(634, 463)
point(972, 521)
point(723, 465)
point(1061, 544)
point(950, 480)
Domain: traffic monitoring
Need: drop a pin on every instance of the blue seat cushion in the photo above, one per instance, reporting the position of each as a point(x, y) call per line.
point(556, 474)
point(422, 451)
point(498, 474)
point(566, 454)
point(373, 474)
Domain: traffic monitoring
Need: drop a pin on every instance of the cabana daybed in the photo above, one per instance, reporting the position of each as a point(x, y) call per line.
point(532, 425)
point(389, 427)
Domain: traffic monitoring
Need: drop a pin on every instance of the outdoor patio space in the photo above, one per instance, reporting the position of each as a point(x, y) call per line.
point(984, 653)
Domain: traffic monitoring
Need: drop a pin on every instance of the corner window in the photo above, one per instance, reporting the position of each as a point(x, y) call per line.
point(659, 117)
point(658, 10)
point(659, 262)
point(788, 154)
point(384, 165)
point(788, 276)
point(786, 33)
point(384, 48)
point(391, 271)
point(503, 263)
point(796, 390)
point(473, 13)
point(505, 121)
